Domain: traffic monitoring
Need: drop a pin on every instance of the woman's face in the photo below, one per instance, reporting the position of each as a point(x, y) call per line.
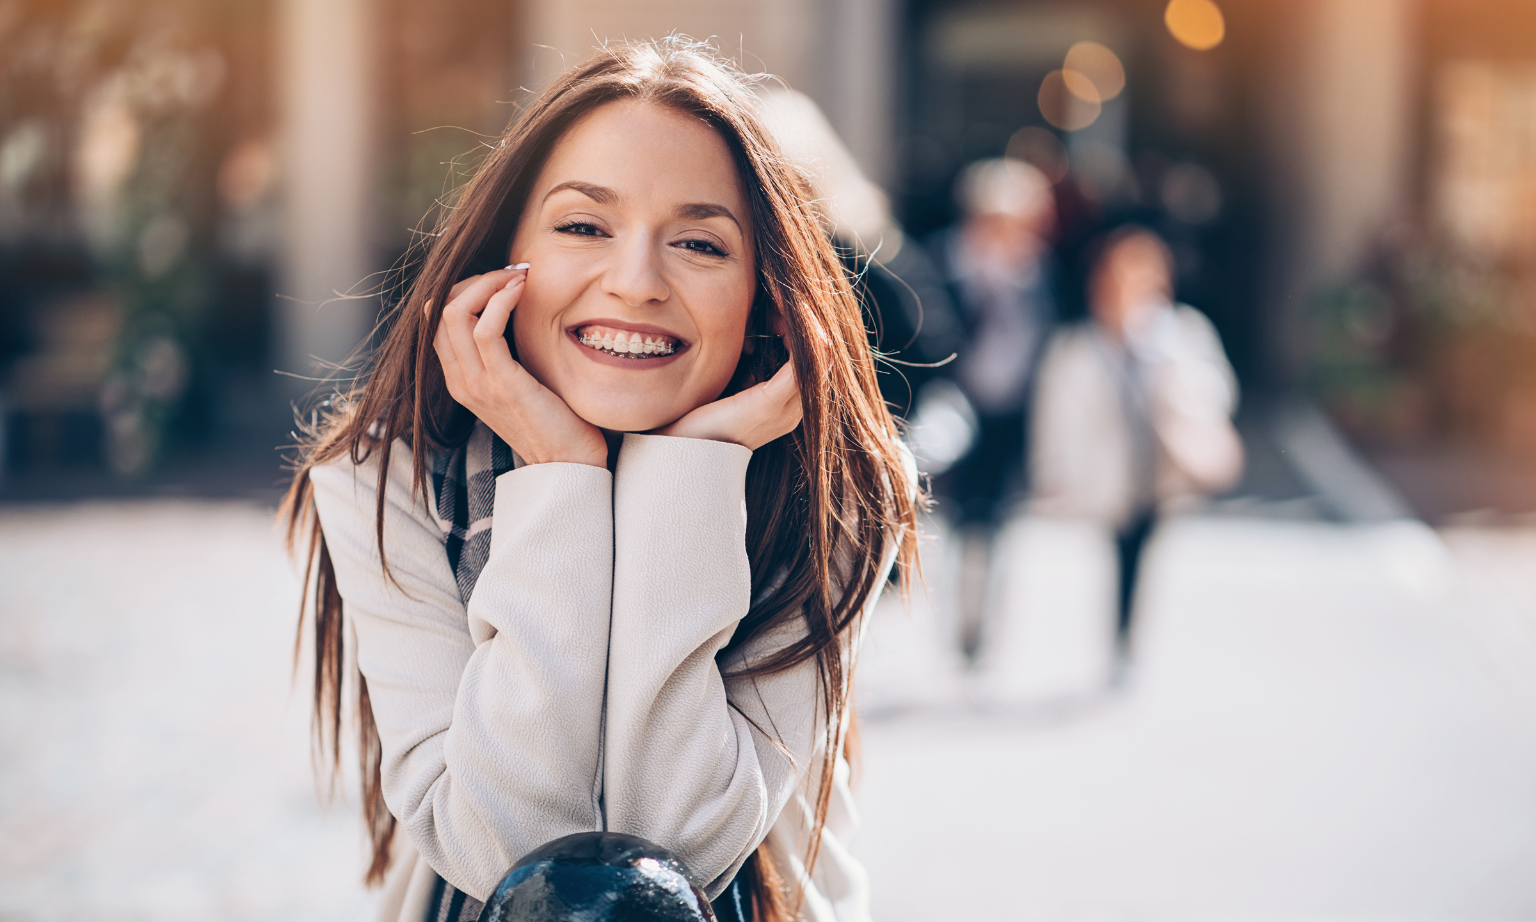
point(1130, 277)
point(642, 274)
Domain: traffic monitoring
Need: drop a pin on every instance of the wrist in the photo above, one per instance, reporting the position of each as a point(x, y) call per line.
point(558, 456)
point(591, 460)
point(533, 453)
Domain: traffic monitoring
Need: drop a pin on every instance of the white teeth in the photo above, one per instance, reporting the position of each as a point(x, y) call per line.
point(627, 343)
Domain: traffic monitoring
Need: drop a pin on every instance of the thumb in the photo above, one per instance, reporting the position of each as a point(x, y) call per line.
point(783, 389)
point(781, 394)
point(783, 384)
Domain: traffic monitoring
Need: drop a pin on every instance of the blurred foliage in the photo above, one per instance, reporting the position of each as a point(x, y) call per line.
point(134, 101)
point(1428, 343)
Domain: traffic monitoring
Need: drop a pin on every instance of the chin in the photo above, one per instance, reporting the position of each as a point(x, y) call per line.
point(615, 417)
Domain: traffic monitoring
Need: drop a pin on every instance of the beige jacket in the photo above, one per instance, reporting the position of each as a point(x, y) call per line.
point(1081, 447)
point(578, 688)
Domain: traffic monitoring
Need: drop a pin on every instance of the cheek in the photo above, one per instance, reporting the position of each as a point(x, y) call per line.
point(726, 329)
point(531, 325)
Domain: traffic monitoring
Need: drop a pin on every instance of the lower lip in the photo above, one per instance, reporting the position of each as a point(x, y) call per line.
point(619, 361)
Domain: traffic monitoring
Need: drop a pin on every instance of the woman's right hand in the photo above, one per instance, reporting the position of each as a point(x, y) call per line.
point(481, 374)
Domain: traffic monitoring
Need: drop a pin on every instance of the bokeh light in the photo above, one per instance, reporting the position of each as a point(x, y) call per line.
point(246, 173)
point(1100, 65)
point(1197, 24)
point(1069, 100)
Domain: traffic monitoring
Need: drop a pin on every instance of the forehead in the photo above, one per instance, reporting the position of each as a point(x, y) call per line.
point(650, 155)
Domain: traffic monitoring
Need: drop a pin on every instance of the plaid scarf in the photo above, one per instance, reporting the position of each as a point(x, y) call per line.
point(464, 481)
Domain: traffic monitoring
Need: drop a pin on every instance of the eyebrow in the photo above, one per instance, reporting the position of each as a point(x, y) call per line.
point(600, 194)
point(698, 211)
point(603, 195)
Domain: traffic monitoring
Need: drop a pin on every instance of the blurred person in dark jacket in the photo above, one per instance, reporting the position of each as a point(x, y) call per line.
point(998, 264)
point(911, 321)
point(1133, 408)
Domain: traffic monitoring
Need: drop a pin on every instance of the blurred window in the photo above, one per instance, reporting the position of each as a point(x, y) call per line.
point(1485, 178)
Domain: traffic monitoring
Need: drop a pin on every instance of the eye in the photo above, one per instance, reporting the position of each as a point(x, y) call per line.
point(702, 246)
point(579, 229)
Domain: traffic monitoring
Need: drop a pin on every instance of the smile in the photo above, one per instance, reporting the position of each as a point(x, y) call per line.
point(629, 344)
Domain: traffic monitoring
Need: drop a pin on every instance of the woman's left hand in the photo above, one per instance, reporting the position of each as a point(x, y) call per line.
point(752, 418)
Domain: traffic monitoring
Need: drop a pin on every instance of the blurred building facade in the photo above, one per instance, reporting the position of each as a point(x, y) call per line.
point(193, 195)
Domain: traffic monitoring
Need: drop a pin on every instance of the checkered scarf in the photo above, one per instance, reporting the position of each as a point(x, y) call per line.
point(464, 481)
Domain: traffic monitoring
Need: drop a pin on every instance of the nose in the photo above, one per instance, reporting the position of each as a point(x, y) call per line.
point(634, 276)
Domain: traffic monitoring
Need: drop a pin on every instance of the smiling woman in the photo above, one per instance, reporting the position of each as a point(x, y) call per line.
point(640, 232)
point(606, 564)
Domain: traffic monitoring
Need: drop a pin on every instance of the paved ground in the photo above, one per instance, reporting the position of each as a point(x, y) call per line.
point(153, 764)
point(1330, 722)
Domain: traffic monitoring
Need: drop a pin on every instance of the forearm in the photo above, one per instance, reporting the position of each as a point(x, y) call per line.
point(681, 767)
point(489, 717)
point(699, 762)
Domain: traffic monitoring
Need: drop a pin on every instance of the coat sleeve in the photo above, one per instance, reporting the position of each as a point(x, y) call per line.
point(698, 762)
point(1193, 398)
point(1077, 443)
point(490, 714)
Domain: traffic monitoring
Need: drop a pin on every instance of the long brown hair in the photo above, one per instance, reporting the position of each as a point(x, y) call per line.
point(823, 503)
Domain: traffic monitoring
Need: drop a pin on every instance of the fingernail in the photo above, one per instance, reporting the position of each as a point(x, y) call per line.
point(520, 266)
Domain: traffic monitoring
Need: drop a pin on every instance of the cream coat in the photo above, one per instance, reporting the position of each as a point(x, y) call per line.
point(578, 689)
point(1082, 464)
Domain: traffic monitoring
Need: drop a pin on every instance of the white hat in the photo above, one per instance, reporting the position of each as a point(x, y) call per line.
point(1003, 186)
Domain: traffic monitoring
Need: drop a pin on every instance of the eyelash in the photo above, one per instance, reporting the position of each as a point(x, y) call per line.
point(711, 250)
point(570, 228)
point(588, 229)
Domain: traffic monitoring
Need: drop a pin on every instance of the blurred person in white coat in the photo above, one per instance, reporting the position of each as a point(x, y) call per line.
point(1133, 409)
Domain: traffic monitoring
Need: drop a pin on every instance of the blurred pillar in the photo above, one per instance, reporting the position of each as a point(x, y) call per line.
point(857, 83)
point(841, 53)
point(328, 156)
point(1341, 139)
point(777, 36)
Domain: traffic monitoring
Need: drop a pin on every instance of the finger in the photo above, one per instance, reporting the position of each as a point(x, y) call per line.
point(443, 346)
point(461, 312)
point(480, 287)
point(783, 394)
point(460, 285)
point(491, 329)
point(464, 369)
point(783, 387)
point(457, 327)
point(471, 301)
point(453, 373)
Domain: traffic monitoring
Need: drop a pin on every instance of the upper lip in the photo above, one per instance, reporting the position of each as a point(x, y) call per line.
point(630, 325)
